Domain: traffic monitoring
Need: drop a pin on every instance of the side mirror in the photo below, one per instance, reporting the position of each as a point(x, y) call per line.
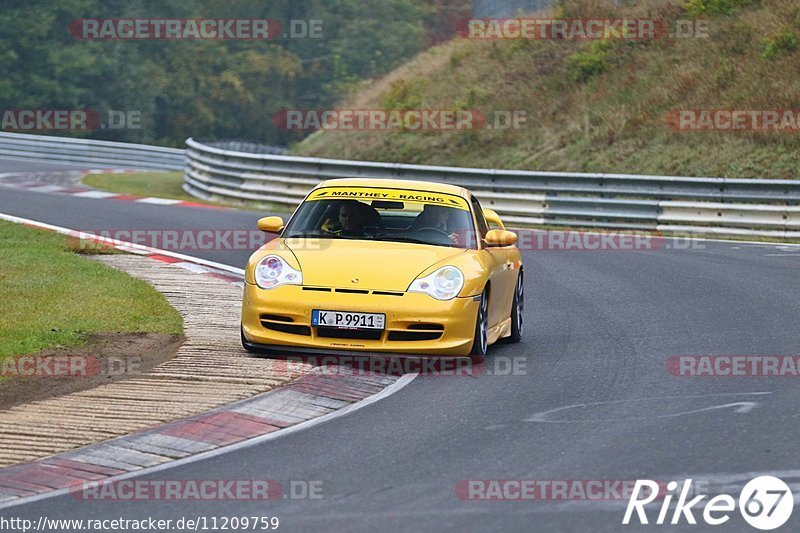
point(493, 219)
point(270, 224)
point(500, 237)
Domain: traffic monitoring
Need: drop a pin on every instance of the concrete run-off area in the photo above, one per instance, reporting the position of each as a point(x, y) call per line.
point(209, 370)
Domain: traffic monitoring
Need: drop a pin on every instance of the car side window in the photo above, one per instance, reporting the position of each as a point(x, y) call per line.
point(483, 228)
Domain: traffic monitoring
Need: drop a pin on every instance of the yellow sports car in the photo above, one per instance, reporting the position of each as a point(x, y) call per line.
point(385, 266)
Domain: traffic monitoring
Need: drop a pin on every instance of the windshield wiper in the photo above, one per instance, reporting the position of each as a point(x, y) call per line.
point(312, 235)
point(389, 238)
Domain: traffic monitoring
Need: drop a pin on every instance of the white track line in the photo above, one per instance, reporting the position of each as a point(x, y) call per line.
point(388, 391)
point(96, 194)
point(158, 201)
point(127, 246)
point(391, 389)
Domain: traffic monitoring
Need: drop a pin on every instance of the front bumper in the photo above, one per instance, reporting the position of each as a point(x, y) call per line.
point(416, 324)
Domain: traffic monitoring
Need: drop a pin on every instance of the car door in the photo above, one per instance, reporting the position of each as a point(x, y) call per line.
point(511, 259)
point(502, 275)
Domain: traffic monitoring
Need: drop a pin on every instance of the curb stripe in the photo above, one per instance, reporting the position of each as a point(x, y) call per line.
point(100, 194)
point(240, 423)
point(313, 398)
point(158, 201)
point(31, 469)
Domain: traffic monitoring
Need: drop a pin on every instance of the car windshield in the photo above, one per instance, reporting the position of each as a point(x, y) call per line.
point(393, 215)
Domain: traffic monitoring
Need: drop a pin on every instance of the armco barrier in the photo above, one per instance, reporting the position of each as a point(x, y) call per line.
point(90, 152)
point(719, 206)
point(244, 171)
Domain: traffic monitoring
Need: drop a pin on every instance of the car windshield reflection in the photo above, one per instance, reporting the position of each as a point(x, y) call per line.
point(385, 221)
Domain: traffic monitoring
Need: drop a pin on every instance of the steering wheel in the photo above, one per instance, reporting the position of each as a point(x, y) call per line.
point(438, 230)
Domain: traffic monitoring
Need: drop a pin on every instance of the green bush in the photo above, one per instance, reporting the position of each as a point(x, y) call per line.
point(402, 94)
point(474, 97)
point(590, 62)
point(714, 7)
point(782, 43)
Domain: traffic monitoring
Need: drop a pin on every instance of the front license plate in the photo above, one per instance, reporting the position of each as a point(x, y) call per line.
point(343, 319)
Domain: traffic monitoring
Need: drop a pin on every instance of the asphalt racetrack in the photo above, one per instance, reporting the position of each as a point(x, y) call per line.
point(591, 397)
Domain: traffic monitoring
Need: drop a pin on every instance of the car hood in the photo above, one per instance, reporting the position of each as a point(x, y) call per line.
point(388, 266)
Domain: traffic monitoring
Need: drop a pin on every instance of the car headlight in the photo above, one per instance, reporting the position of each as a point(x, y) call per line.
point(273, 271)
point(444, 284)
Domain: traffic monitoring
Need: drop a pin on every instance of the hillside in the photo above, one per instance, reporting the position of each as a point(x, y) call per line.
point(600, 105)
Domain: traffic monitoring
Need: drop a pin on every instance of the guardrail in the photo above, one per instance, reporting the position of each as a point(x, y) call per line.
point(736, 207)
point(90, 152)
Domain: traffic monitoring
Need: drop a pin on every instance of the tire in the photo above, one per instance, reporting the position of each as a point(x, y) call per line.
point(517, 311)
point(480, 342)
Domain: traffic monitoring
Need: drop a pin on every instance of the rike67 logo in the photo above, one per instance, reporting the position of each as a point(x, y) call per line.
point(765, 503)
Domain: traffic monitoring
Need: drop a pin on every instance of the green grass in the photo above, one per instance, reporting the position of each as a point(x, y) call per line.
point(155, 184)
point(165, 185)
point(52, 297)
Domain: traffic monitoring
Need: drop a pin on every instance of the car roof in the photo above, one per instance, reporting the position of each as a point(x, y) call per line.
point(397, 184)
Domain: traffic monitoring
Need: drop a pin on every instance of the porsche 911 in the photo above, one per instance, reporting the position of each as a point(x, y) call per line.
point(388, 267)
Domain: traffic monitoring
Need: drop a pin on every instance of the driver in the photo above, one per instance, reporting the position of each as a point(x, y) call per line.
point(350, 220)
point(436, 217)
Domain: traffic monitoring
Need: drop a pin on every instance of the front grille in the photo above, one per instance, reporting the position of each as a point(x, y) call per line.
point(277, 318)
point(427, 327)
point(362, 334)
point(352, 291)
point(414, 335)
point(418, 332)
point(284, 325)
